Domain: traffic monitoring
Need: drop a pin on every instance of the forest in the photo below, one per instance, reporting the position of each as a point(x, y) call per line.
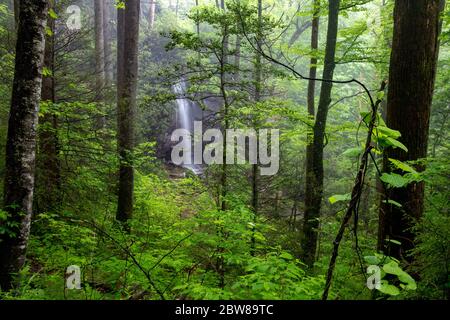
point(224, 150)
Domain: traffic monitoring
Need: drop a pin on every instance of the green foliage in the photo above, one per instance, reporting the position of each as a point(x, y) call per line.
point(180, 245)
point(391, 286)
point(339, 197)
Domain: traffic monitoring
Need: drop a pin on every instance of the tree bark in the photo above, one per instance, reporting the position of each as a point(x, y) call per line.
point(128, 37)
point(107, 39)
point(224, 80)
point(16, 12)
point(314, 179)
point(312, 86)
point(99, 49)
point(48, 174)
point(258, 89)
point(21, 139)
point(411, 84)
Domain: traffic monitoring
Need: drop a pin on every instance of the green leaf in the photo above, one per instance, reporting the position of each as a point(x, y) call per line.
point(120, 4)
point(410, 282)
point(394, 180)
point(286, 256)
point(395, 203)
point(389, 132)
point(340, 197)
point(46, 72)
point(394, 241)
point(48, 31)
point(52, 14)
point(389, 289)
point(402, 166)
point(392, 268)
point(380, 95)
point(397, 144)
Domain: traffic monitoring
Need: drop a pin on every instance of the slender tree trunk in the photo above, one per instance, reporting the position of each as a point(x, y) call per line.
point(48, 177)
point(411, 84)
point(21, 139)
point(99, 50)
point(128, 34)
point(258, 89)
point(223, 87)
point(313, 63)
point(314, 181)
point(312, 87)
point(107, 39)
point(16, 12)
point(257, 98)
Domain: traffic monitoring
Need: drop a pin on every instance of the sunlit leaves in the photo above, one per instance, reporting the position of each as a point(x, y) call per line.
point(340, 197)
point(394, 180)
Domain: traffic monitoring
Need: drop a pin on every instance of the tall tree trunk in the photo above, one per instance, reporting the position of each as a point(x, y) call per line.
point(257, 98)
point(16, 12)
point(223, 88)
point(258, 90)
point(128, 38)
point(99, 49)
point(48, 174)
point(411, 84)
point(107, 39)
point(21, 140)
point(312, 86)
point(314, 180)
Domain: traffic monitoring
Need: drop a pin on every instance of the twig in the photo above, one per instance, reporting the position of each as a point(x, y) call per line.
point(356, 195)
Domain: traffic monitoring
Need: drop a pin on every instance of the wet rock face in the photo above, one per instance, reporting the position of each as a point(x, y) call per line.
point(185, 113)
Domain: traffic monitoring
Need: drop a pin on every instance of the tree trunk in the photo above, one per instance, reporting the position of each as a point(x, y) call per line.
point(314, 179)
point(223, 88)
point(258, 89)
point(48, 174)
point(107, 39)
point(99, 50)
point(312, 86)
point(128, 37)
point(411, 84)
point(21, 139)
point(16, 12)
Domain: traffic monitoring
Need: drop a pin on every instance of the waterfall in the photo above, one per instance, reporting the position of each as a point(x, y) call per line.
point(186, 120)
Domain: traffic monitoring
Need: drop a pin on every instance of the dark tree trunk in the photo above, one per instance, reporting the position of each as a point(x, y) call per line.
point(312, 85)
point(313, 62)
point(128, 40)
point(411, 84)
point(48, 175)
point(224, 80)
point(314, 179)
point(16, 12)
point(21, 140)
point(258, 90)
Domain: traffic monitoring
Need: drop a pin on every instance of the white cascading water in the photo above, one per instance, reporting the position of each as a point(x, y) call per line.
point(186, 121)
